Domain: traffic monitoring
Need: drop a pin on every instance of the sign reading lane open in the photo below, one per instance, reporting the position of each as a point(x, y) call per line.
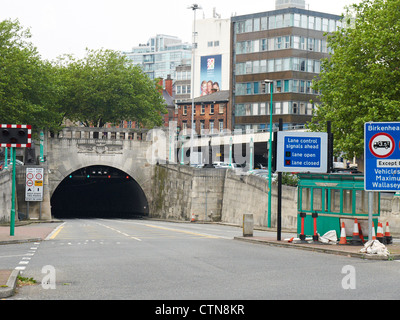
point(302, 152)
point(382, 156)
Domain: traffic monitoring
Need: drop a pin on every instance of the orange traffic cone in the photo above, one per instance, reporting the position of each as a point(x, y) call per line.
point(343, 239)
point(373, 232)
point(388, 237)
point(356, 240)
point(379, 233)
point(193, 218)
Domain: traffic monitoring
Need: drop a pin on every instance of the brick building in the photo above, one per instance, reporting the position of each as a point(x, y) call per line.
point(210, 113)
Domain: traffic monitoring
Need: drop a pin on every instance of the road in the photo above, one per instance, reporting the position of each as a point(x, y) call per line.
point(101, 259)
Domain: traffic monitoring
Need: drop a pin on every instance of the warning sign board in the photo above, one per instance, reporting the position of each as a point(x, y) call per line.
point(382, 156)
point(34, 184)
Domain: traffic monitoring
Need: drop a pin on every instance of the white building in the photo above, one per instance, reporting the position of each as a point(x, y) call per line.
point(212, 55)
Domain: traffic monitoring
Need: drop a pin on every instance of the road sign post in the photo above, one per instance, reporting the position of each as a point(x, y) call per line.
point(381, 161)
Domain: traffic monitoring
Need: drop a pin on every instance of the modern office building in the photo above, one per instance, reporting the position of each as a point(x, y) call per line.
point(160, 56)
point(285, 45)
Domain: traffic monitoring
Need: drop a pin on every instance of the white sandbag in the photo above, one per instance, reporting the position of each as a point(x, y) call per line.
point(329, 237)
point(375, 247)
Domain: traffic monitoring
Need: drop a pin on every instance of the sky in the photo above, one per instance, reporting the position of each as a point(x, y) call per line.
point(69, 27)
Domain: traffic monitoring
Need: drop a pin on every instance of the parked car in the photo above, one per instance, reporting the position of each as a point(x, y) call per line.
point(224, 165)
point(17, 162)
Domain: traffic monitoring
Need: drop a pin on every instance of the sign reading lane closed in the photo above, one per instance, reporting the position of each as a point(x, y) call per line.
point(34, 184)
point(302, 152)
point(382, 156)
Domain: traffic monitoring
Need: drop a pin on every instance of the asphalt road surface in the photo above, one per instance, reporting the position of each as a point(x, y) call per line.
point(116, 259)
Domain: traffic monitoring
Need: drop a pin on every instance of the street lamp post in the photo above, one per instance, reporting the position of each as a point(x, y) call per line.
point(271, 82)
point(193, 7)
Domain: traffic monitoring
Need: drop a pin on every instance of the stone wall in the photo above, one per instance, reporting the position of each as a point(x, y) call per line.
point(218, 195)
point(178, 191)
point(5, 198)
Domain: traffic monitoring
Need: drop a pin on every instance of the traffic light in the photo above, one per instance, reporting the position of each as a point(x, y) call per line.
point(15, 136)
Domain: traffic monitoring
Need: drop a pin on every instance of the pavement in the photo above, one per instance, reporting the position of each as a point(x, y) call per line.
point(39, 231)
point(23, 232)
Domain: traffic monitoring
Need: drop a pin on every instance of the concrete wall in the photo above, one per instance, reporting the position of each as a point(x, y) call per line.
point(179, 191)
point(5, 195)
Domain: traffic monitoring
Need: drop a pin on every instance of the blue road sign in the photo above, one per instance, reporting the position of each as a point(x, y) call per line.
point(382, 156)
point(302, 152)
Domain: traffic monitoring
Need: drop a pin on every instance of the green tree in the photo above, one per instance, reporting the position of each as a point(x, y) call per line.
point(361, 80)
point(105, 88)
point(27, 91)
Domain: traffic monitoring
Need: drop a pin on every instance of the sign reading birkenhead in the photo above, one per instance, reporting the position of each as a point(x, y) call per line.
point(302, 152)
point(382, 156)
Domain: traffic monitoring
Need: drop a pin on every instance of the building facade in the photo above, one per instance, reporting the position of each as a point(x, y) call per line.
point(212, 55)
point(210, 116)
point(285, 45)
point(160, 56)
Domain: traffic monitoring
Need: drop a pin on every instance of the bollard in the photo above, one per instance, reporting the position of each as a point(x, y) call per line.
point(302, 234)
point(315, 236)
point(248, 224)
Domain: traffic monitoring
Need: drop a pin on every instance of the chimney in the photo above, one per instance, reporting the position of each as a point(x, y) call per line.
point(168, 85)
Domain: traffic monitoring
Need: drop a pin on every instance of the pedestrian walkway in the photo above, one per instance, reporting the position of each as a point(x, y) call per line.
point(26, 232)
point(345, 250)
point(23, 232)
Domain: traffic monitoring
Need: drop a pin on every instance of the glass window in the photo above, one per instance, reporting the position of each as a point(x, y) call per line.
point(318, 24)
point(304, 21)
point(287, 20)
point(271, 64)
point(278, 64)
point(296, 22)
point(263, 66)
point(248, 25)
point(264, 23)
point(256, 24)
point(311, 23)
point(279, 21)
point(285, 107)
point(271, 44)
point(264, 46)
point(262, 109)
point(249, 67)
point(286, 64)
point(287, 42)
point(279, 86)
point(256, 66)
point(325, 24)
point(272, 22)
point(256, 87)
point(287, 86)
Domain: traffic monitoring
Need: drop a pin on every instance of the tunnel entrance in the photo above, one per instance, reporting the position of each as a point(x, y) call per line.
point(98, 192)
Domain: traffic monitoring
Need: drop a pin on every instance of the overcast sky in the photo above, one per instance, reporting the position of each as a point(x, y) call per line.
point(60, 27)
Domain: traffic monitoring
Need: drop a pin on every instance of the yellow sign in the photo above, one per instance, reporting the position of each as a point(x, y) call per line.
point(38, 183)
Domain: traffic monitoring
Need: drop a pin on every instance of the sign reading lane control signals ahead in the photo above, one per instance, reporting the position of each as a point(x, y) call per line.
point(302, 152)
point(382, 156)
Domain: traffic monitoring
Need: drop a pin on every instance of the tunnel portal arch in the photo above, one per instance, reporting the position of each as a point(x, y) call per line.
point(98, 191)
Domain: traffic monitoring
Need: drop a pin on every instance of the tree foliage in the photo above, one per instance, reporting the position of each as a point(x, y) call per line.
point(105, 88)
point(27, 84)
point(101, 88)
point(361, 80)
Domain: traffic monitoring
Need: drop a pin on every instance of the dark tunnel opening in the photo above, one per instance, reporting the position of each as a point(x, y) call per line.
point(99, 192)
